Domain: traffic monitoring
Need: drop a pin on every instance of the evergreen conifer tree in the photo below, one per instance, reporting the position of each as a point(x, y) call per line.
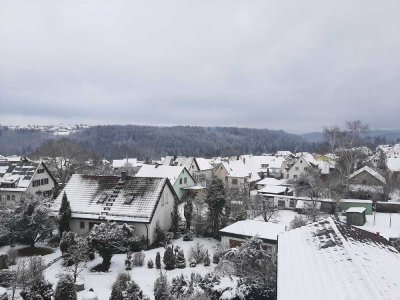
point(65, 289)
point(180, 260)
point(169, 259)
point(64, 215)
point(158, 260)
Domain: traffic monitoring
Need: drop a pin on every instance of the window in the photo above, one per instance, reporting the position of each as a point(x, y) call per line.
point(294, 176)
point(296, 168)
point(281, 203)
point(234, 181)
point(185, 180)
point(8, 197)
point(292, 203)
point(301, 161)
point(364, 181)
point(82, 225)
point(40, 171)
point(264, 166)
point(13, 197)
point(305, 168)
point(44, 181)
point(180, 180)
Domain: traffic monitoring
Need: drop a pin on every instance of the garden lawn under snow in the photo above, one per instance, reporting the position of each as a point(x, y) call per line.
point(381, 223)
point(101, 283)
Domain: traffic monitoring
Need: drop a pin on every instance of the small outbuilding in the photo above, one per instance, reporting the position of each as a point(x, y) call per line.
point(356, 216)
point(345, 204)
point(237, 233)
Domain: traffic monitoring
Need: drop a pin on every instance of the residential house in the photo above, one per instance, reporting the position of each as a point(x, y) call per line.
point(304, 162)
point(24, 177)
point(189, 163)
point(236, 176)
point(367, 180)
point(265, 165)
point(178, 176)
point(237, 233)
point(205, 172)
point(143, 202)
point(331, 260)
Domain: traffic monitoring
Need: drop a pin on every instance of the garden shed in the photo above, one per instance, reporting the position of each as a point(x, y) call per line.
point(345, 204)
point(356, 216)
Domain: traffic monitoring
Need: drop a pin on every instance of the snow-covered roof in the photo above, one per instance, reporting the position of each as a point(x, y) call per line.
point(283, 153)
point(356, 201)
point(204, 164)
point(260, 163)
point(331, 260)
point(170, 172)
point(356, 210)
point(110, 198)
point(273, 189)
point(120, 163)
point(19, 173)
point(89, 295)
point(271, 181)
point(236, 168)
point(370, 171)
point(182, 161)
point(393, 163)
point(250, 228)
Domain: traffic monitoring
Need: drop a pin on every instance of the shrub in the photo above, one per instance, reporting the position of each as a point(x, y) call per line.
point(128, 261)
point(12, 257)
point(198, 252)
point(54, 241)
point(180, 260)
point(138, 259)
point(150, 264)
point(218, 252)
point(3, 261)
point(65, 289)
point(298, 221)
point(161, 288)
point(192, 263)
point(188, 237)
point(207, 260)
point(169, 259)
point(124, 286)
point(7, 277)
point(158, 260)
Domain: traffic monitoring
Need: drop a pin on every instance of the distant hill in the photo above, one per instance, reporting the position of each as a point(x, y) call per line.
point(153, 142)
point(390, 136)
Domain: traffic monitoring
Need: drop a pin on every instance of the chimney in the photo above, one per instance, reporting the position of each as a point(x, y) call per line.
point(124, 175)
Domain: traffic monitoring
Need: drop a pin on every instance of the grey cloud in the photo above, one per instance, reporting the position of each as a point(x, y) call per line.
point(286, 65)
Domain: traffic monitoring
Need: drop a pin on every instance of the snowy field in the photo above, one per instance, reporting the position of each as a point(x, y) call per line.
point(143, 276)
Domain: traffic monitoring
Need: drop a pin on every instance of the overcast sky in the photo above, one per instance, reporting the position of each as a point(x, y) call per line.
point(292, 65)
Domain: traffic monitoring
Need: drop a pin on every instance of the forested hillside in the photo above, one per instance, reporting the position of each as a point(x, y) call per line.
point(152, 142)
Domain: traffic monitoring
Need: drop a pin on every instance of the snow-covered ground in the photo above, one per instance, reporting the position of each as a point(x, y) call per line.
point(143, 276)
point(388, 225)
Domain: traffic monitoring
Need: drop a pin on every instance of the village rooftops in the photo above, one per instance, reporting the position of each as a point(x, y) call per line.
point(249, 228)
point(331, 260)
point(110, 198)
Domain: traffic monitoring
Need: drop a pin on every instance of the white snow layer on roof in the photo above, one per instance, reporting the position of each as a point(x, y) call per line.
point(356, 210)
point(319, 261)
point(370, 171)
point(236, 168)
point(119, 163)
point(273, 189)
point(85, 192)
point(393, 164)
point(162, 171)
point(271, 181)
point(204, 164)
point(250, 228)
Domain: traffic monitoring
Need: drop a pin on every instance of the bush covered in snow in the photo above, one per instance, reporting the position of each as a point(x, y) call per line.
point(124, 288)
point(3, 261)
point(150, 264)
point(162, 288)
point(138, 259)
point(169, 259)
point(6, 277)
point(65, 289)
point(158, 260)
point(180, 260)
point(198, 252)
point(298, 221)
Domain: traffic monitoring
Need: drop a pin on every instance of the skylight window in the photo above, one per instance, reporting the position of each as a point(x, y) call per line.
point(102, 198)
point(129, 198)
